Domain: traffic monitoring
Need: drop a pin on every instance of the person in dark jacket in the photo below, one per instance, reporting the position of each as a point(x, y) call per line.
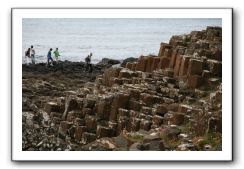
point(88, 63)
point(49, 57)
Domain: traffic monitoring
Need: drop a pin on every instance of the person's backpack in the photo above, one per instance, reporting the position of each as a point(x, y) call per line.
point(87, 59)
point(27, 53)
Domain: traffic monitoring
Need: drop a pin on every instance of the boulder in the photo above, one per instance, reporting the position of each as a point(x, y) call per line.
point(108, 61)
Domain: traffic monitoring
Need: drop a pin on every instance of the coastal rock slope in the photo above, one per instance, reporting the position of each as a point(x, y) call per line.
point(172, 101)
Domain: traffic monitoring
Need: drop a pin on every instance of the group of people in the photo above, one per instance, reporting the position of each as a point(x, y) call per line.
point(49, 56)
point(30, 55)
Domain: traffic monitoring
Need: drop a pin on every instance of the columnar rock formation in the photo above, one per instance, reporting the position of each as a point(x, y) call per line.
point(173, 96)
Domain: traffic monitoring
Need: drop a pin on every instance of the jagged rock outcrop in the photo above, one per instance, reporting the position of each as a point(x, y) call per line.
point(160, 102)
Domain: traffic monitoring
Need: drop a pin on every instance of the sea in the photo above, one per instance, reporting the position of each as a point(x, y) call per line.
point(104, 37)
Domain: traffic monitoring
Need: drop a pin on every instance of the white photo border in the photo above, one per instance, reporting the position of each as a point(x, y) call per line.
point(16, 50)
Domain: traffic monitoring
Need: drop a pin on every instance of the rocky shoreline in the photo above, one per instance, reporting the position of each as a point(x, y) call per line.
point(168, 102)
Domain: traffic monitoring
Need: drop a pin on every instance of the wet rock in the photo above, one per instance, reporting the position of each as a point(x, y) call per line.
point(108, 61)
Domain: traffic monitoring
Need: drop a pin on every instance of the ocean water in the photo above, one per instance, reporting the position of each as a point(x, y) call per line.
point(110, 38)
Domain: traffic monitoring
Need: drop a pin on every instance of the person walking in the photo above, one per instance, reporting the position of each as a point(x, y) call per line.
point(88, 63)
point(49, 57)
point(56, 54)
point(27, 56)
point(32, 54)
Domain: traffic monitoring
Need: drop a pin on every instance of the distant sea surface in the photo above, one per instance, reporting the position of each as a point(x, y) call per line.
point(110, 38)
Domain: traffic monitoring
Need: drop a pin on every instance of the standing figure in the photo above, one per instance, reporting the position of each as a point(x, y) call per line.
point(32, 54)
point(27, 56)
point(88, 63)
point(49, 57)
point(56, 54)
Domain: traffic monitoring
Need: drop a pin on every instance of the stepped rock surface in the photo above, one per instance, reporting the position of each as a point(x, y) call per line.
point(168, 102)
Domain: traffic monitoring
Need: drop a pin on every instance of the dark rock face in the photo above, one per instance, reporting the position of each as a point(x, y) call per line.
point(154, 103)
point(128, 60)
point(107, 62)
